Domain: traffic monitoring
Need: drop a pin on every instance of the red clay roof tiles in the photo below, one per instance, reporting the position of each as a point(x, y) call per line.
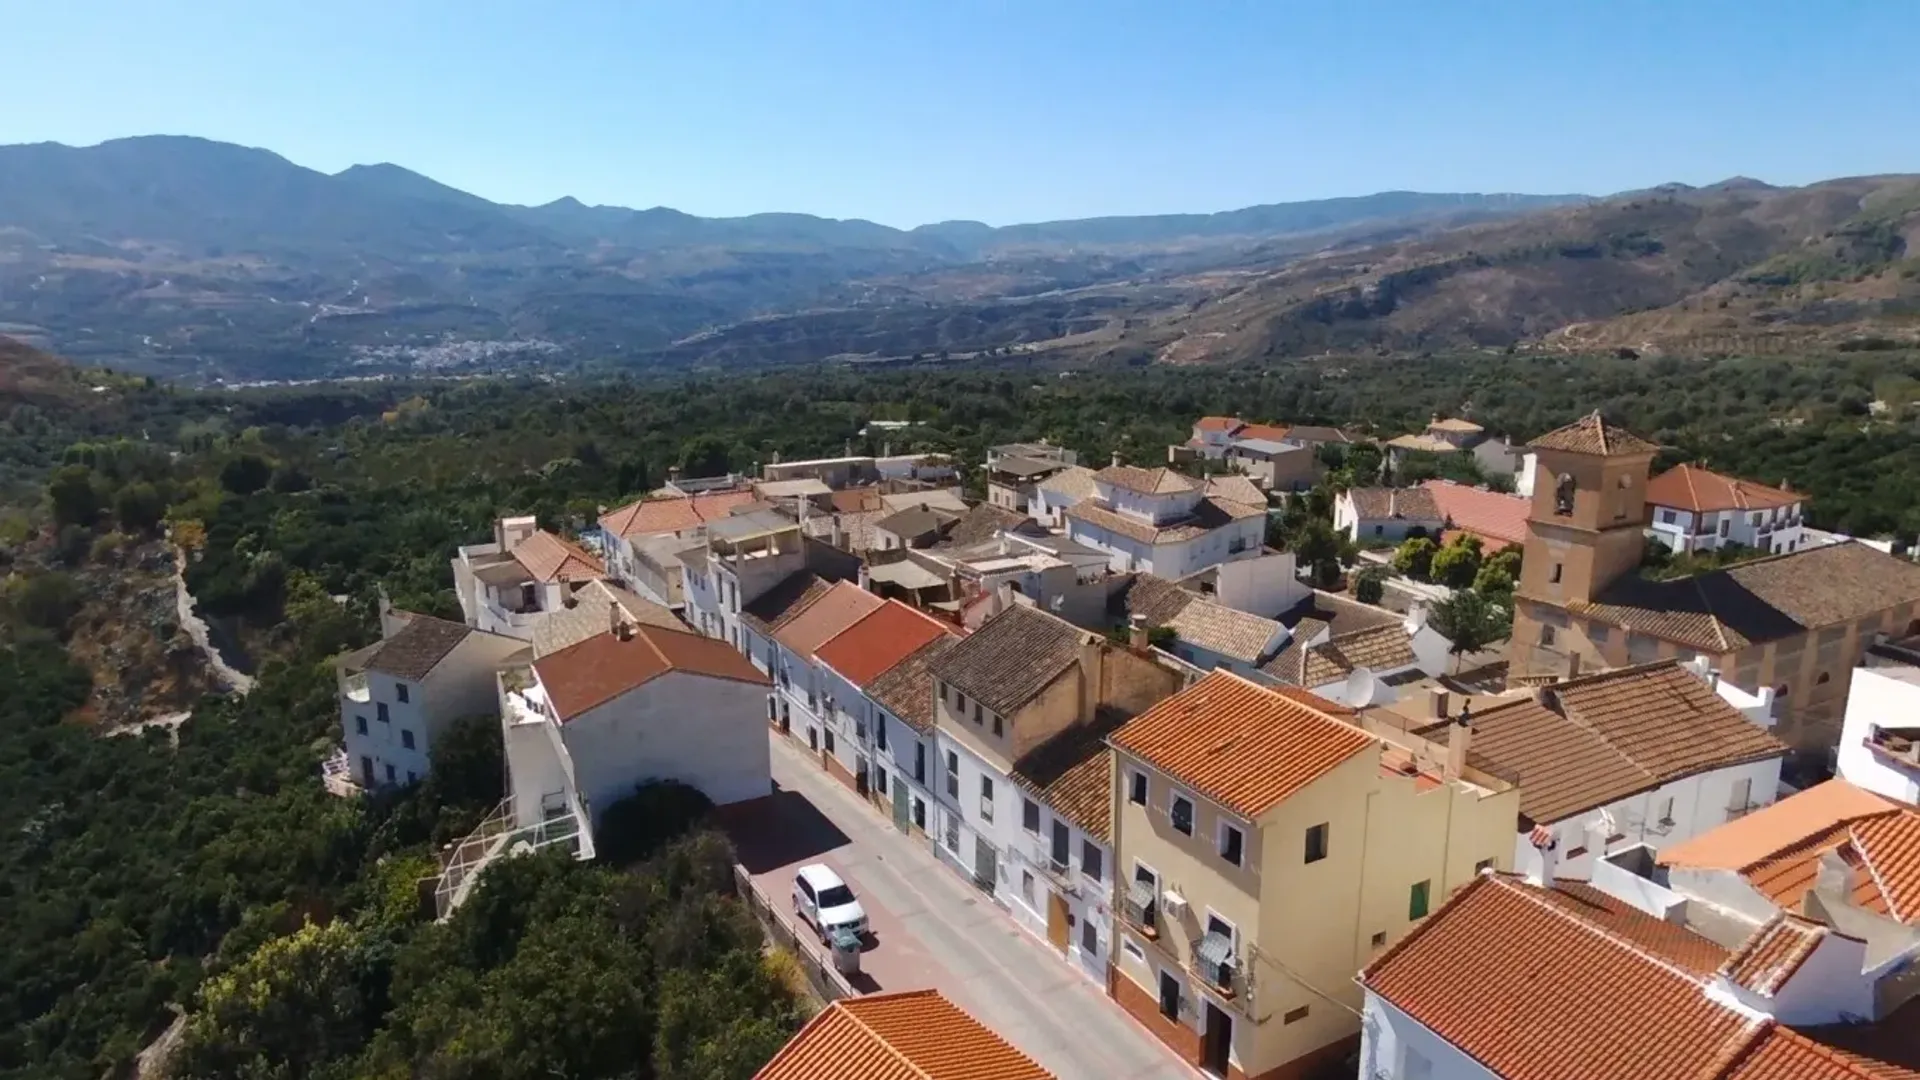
point(1689, 487)
point(838, 608)
point(882, 638)
point(546, 557)
point(914, 1035)
point(651, 517)
point(603, 667)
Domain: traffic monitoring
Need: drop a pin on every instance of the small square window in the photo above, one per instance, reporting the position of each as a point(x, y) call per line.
point(1546, 635)
point(406, 738)
point(1294, 1016)
point(400, 691)
point(1317, 843)
point(1379, 939)
point(1137, 789)
point(1132, 950)
point(1180, 812)
point(1418, 898)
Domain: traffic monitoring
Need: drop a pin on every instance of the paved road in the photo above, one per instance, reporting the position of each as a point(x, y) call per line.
point(967, 947)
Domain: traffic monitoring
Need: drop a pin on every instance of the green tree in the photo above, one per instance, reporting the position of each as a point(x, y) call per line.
point(74, 495)
point(1494, 583)
point(1414, 557)
point(1470, 622)
point(1456, 564)
point(245, 474)
point(295, 1003)
point(46, 601)
point(139, 507)
point(1369, 586)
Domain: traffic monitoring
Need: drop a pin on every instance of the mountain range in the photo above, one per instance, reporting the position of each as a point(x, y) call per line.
point(186, 257)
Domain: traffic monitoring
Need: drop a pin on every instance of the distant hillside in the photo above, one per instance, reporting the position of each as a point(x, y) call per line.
point(1738, 266)
point(184, 256)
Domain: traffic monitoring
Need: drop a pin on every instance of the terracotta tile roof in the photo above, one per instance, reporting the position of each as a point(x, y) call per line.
point(1266, 432)
point(1074, 482)
point(856, 528)
point(1150, 596)
point(1337, 613)
point(842, 605)
point(1767, 959)
point(1244, 746)
point(1597, 739)
point(591, 613)
point(906, 688)
point(984, 522)
point(1497, 519)
point(1671, 942)
point(1210, 514)
point(1226, 424)
point(855, 500)
point(416, 648)
point(652, 516)
point(546, 557)
point(1406, 504)
point(1378, 649)
point(1534, 989)
point(1450, 423)
point(779, 605)
point(1012, 657)
point(1422, 443)
point(911, 1035)
point(1778, 848)
point(1157, 481)
point(1073, 773)
point(1784, 1054)
point(1888, 1050)
point(1766, 599)
point(603, 667)
point(1689, 487)
point(1236, 489)
point(1593, 434)
point(1238, 635)
point(916, 521)
point(884, 637)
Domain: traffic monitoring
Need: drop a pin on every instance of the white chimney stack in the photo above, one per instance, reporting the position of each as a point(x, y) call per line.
point(1459, 740)
point(1116, 459)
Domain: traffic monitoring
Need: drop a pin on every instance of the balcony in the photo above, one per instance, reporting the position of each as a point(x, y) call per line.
point(1141, 909)
point(355, 689)
point(1214, 965)
point(1040, 855)
point(499, 835)
point(1897, 746)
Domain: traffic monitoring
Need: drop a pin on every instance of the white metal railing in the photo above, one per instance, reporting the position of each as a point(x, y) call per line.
point(336, 775)
point(462, 864)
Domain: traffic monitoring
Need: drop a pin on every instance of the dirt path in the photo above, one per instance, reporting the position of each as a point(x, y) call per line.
point(238, 682)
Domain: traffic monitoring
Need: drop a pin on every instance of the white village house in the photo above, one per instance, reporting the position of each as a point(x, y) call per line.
point(1164, 522)
point(1693, 509)
point(510, 585)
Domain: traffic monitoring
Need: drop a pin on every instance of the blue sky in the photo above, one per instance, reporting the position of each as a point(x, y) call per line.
point(912, 111)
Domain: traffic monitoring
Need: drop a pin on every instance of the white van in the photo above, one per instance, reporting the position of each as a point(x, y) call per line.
point(821, 898)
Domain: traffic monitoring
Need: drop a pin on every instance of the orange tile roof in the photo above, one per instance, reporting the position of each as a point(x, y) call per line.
point(1778, 849)
point(603, 667)
point(839, 607)
point(651, 517)
point(1269, 432)
point(1244, 746)
point(549, 558)
point(1780, 1053)
point(1689, 487)
point(1155, 481)
point(1533, 990)
point(1496, 518)
point(913, 1035)
point(1767, 959)
point(877, 641)
point(1592, 434)
point(1218, 423)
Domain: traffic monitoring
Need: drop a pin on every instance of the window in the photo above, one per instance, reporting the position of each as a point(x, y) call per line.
point(1026, 886)
point(953, 775)
point(986, 798)
point(1726, 526)
point(997, 729)
point(400, 691)
point(960, 703)
point(1546, 635)
point(953, 833)
point(1666, 517)
point(1741, 798)
point(829, 739)
point(1823, 679)
point(1090, 859)
point(1030, 815)
point(919, 763)
point(879, 780)
point(976, 714)
point(380, 711)
point(1379, 530)
point(406, 738)
point(360, 725)
point(1231, 843)
point(919, 813)
point(1132, 950)
point(1554, 577)
point(1755, 521)
point(1665, 811)
point(1180, 812)
point(1294, 1016)
point(1379, 939)
point(412, 777)
point(1090, 938)
point(390, 776)
point(1137, 789)
point(880, 730)
point(1563, 495)
point(1482, 866)
point(1417, 899)
point(1317, 843)
point(1169, 996)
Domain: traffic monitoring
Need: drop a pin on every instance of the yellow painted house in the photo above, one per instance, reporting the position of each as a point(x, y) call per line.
point(1267, 843)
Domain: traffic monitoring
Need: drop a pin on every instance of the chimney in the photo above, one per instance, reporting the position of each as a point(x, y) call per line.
point(837, 538)
point(1713, 679)
point(886, 448)
point(1573, 665)
point(1437, 702)
point(1459, 738)
point(1116, 459)
point(613, 619)
point(866, 578)
point(1547, 850)
point(1137, 636)
point(775, 459)
point(1093, 654)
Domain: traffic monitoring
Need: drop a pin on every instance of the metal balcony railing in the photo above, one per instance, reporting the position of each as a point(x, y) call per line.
point(498, 835)
point(1142, 910)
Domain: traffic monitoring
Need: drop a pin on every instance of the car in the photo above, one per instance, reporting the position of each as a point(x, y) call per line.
point(821, 898)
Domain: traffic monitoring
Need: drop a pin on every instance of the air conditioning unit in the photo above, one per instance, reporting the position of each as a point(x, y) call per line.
point(1175, 904)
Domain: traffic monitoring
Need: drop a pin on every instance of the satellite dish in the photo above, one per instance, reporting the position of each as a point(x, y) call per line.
point(1360, 688)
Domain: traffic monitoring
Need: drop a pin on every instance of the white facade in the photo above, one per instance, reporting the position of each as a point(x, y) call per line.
point(1058, 858)
point(1395, 1046)
point(1348, 521)
point(708, 733)
point(978, 812)
point(1675, 811)
point(908, 759)
point(1881, 727)
point(1049, 507)
point(1264, 585)
point(1776, 530)
point(389, 724)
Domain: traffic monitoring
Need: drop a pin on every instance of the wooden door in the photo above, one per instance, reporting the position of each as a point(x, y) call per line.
point(1058, 930)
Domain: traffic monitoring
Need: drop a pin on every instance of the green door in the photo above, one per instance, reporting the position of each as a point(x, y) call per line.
point(899, 804)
